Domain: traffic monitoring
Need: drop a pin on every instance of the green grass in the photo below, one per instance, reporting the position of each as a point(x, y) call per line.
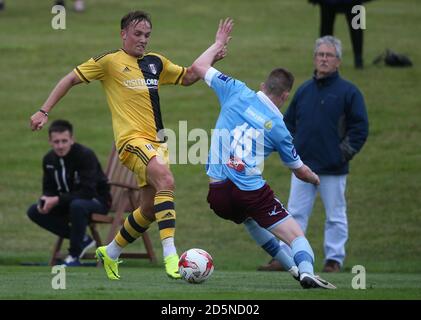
point(152, 283)
point(384, 186)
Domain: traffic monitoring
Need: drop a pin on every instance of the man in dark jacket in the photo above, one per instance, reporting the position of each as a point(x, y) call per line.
point(328, 121)
point(74, 187)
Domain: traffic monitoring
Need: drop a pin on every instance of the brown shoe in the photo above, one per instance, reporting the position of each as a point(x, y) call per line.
point(273, 265)
point(331, 266)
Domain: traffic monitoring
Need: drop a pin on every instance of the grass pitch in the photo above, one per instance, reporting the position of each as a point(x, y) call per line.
point(384, 185)
point(152, 284)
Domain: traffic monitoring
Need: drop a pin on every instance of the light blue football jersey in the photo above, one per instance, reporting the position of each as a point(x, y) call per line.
point(248, 129)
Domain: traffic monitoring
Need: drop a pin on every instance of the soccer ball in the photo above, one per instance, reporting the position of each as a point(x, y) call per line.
point(195, 265)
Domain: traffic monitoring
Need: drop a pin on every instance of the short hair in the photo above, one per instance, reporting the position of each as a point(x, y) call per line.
point(60, 126)
point(330, 41)
point(136, 16)
point(279, 81)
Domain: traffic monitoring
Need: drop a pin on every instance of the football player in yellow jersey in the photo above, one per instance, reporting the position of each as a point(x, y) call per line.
point(131, 79)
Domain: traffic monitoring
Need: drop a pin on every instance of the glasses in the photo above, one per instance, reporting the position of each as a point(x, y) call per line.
point(325, 54)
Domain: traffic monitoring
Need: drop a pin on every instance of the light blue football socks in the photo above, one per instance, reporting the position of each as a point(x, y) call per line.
point(303, 255)
point(299, 254)
point(270, 244)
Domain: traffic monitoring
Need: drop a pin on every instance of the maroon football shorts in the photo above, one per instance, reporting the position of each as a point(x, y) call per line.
point(231, 203)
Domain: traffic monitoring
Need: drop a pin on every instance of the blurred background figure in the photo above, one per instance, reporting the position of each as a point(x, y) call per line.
point(328, 11)
point(78, 5)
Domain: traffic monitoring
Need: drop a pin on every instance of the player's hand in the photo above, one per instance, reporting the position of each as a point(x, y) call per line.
point(38, 120)
point(224, 31)
point(304, 173)
point(221, 54)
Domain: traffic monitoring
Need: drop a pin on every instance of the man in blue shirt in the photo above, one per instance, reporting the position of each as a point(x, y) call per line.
point(250, 127)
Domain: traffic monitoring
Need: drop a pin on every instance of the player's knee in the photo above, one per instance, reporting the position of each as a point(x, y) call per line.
point(148, 210)
point(150, 215)
point(166, 182)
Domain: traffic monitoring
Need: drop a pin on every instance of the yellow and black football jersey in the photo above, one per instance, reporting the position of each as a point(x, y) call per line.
point(131, 85)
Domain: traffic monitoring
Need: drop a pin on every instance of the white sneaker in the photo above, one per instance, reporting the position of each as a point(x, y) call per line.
point(309, 281)
point(87, 244)
point(70, 261)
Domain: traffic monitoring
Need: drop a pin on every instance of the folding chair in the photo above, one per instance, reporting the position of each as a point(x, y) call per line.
point(126, 198)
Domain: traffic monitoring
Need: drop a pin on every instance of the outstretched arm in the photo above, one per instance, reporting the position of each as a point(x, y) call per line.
point(39, 119)
point(215, 52)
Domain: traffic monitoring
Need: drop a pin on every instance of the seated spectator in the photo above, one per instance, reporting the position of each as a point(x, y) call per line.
point(74, 186)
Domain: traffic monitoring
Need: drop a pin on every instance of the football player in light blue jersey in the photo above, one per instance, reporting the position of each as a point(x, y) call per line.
point(255, 129)
point(249, 128)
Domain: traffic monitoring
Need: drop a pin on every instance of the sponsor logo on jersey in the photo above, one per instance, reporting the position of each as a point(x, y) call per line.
point(236, 163)
point(141, 83)
point(268, 125)
point(256, 116)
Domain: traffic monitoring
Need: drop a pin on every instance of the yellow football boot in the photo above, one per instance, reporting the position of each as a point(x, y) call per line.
point(171, 266)
point(110, 265)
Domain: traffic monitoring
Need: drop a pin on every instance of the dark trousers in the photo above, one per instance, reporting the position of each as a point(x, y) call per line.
point(70, 222)
point(327, 15)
